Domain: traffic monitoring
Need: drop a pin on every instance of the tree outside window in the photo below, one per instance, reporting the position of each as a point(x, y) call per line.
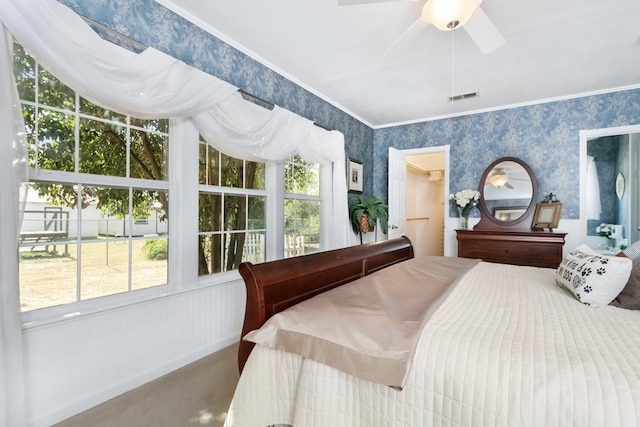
point(96, 218)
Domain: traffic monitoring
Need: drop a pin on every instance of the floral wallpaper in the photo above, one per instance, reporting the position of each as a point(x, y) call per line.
point(544, 135)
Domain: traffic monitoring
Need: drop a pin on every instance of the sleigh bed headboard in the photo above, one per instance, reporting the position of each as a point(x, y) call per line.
point(277, 285)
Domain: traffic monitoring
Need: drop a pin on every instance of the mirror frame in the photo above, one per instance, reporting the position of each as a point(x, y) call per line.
point(487, 220)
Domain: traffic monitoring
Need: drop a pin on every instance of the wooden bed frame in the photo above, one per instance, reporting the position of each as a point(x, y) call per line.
point(277, 285)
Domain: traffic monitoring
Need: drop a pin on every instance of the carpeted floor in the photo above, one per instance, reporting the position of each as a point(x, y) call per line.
point(197, 394)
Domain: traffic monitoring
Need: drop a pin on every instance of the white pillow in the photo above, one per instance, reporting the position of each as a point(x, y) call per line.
point(593, 278)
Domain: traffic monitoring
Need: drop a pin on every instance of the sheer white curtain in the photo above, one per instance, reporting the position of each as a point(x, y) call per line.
point(594, 205)
point(149, 84)
point(13, 172)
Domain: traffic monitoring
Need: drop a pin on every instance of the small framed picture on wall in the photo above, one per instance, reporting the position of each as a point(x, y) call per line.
point(354, 176)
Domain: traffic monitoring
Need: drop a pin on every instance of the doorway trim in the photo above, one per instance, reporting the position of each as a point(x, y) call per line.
point(585, 136)
point(431, 150)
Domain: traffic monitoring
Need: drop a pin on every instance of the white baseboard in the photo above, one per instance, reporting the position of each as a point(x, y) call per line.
point(102, 395)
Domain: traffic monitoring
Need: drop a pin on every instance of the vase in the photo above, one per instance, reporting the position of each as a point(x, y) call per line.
point(364, 224)
point(464, 220)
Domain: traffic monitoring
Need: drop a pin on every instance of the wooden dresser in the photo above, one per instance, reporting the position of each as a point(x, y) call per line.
point(533, 248)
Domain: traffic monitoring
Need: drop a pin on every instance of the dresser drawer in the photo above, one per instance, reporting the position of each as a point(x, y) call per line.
point(535, 249)
point(538, 255)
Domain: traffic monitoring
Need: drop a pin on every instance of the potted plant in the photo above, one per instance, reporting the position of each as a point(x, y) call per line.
point(365, 213)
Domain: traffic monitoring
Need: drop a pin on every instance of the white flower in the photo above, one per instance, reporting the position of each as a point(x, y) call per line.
point(470, 194)
point(605, 230)
point(462, 202)
point(466, 199)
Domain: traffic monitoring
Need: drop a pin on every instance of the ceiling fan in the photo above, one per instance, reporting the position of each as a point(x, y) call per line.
point(498, 178)
point(449, 15)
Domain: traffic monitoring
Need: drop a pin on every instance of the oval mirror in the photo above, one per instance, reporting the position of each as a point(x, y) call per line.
point(508, 193)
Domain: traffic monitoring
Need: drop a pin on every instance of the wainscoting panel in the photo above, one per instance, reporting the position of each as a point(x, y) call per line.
point(73, 365)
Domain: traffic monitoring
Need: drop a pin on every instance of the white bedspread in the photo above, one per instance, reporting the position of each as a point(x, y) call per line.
point(507, 348)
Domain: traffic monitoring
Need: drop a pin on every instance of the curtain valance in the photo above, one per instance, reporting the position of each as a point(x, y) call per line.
point(152, 84)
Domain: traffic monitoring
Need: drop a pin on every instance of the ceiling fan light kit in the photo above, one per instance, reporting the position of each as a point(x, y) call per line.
point(499, 178)
point(447, 15)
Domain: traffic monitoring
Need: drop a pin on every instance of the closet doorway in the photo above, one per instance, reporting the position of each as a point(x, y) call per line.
point(418, 194)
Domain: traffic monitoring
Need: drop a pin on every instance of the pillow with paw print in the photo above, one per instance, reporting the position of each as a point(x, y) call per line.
point(593, 278)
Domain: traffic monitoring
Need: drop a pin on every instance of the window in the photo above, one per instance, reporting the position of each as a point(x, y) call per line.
point(95, 229)
point(301, 207)
point(232, 206)
point(96, 218)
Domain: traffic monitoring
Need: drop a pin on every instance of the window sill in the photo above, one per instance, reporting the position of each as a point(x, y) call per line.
point(63, 313)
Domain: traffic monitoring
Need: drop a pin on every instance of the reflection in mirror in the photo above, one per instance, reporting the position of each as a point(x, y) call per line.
point(508, 194)
point(507, 191)
point(607, 157)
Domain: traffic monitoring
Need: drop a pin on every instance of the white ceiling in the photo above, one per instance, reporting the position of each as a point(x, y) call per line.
point(554, 49)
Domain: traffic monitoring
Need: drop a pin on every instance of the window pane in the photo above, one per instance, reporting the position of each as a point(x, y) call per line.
point(29, 117)
point(24, 71)
point(91, 109)
point(148, 149)
point(103, 148)
point(48, 275)
point(104, 268)
point(235, 212)
point(210, 207)
point(209, 170)
point(240, 247)
point(56, 140)
point(151, 267)
point(254, 247)
point(302, 227)
point(53, 92)
point(232, 172)
point(149, 212)
point(254, 175)
point(48, 254)
point(105, 212)
point(210, 254)
point(302, 177)
point(256, 220)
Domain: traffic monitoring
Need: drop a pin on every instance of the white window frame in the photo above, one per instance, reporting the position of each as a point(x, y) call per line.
point(183, 228)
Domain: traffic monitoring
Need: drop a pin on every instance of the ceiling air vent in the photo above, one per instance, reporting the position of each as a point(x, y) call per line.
point(464, 96)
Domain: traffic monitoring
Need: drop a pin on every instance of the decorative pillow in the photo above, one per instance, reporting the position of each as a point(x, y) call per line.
point(594, 279)
point(632, 251)
point(630, 296)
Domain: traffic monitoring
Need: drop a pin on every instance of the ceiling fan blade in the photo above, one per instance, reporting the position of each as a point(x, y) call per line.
point(410, 28)
point(507, 185)
point(356, 2)
point(483, 32)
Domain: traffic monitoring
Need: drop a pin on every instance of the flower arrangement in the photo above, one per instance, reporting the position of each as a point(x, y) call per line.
point(465, 201)
point(605, 230)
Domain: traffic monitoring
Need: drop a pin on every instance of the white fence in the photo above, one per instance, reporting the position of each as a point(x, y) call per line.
point(254, 247)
